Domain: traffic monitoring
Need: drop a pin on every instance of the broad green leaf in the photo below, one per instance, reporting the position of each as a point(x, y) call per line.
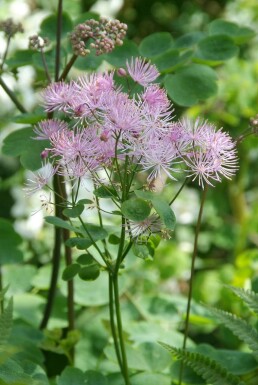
point(189, 40)
point(192, 84)
point(141, 251)
point(161, 206)
point(71, 271)
point(9, 243)
point(155, 44)
point(20, 143)
point(105, 192)
point(19, 58)
point(85, 202)
point(89, 273)
point(18, 277)
point(216, 48)
point(239, 34)
point(93, 234)
point(71, 376)
point(49, 24)
point(28, 307)
point(74, 212)
point(150, 379)
point(136, 209)
point(155, 356)
point(58, 222)
point(88, 62)
point(22, 373)
point(80, 243)
point(85, 259)
point(171, 60)
point(114, 239)
point(95, 378)
point(30, 118)
point(85, 16)
point(120, 54)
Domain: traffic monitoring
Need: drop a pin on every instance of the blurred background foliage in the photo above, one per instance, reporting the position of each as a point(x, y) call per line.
point(154, 292)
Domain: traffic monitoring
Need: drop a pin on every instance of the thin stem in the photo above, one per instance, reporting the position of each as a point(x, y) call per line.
point(67, 68)
point(55, 257)
point(179, 191)
point(5, 52)
point(1, 289)
point(12, 96)
point(112, 321)
point(189, 298)
point(43, 57)
point(58, 38)
point(120, 329)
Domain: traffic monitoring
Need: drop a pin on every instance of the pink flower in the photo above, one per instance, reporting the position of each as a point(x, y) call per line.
point(45, 129)
point(142, 72)
point(39, 179)
point(57, 96)
point(156, 100)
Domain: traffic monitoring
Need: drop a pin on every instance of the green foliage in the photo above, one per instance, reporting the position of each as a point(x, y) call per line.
point(135, 209)
point(207, 368)
point(9, 244)
point(6, 322)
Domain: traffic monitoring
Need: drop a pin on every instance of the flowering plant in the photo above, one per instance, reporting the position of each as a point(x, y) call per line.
point(112, 137)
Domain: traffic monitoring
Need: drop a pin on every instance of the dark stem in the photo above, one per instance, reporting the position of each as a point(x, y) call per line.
point(5, 52)
point(179, 191)
point(58, 38)
point(112, 321)
point(56, 255)
point(12, 96)
point(190, 292)
point(67, 68)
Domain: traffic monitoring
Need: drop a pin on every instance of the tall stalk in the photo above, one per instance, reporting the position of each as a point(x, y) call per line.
point(190, 291)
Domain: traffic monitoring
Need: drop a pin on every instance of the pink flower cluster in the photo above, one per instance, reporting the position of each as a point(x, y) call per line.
point(100, 125)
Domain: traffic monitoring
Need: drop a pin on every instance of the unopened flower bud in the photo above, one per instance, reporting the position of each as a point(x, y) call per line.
point(121, 72)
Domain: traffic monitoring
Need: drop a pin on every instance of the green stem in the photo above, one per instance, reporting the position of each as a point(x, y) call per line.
point(58, 38)
point(112, 321)
point(12, 96)
point(6, 52)
point(190, 292)
point(1, 289)
point(179, 191)
point(45, 65)
point(120, 329)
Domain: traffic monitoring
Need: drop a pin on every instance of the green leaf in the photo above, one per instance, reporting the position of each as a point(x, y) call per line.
point(239, 34)
point(71, 376)
point(85, 259)
point(155, 44)
point(20, 143)
point(58, 222)
point(89, 273)
point(105, 192)
point(114, 239)
point(216, 48)
point(207, 368)
point(20, 58)
point(189, 40)
point(161, 206)
point(122, 53)
point(6, 323)
point(171, 60)
point(249, 297)
point(84, 202)
point(135, 209)
point(141, 251)
point(48, 26)
point(29, 118)
point(85, 16)
point(88, 62)
point(95, 233)
point(150, 379)
point(192, 84)
point(95, 378)
point(71, 271)
point(155, 356)
point(9, 243)
point(74, 212)
point(239, 327)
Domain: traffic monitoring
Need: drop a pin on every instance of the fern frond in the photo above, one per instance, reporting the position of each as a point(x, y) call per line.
point(6, 323)
point(239, 327)
point(249, 297)
point(208, 369)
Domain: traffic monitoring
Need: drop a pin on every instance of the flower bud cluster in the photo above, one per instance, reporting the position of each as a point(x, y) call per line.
point(37, 43)
point(10, 28)
point(104, 35)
